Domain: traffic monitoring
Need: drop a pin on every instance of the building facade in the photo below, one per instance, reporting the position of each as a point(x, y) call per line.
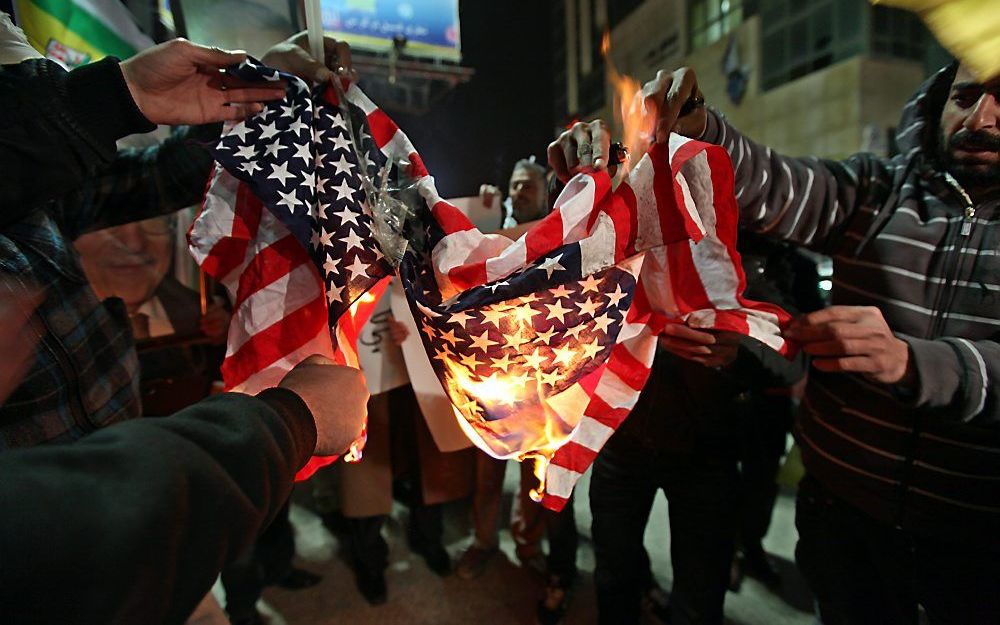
point(824, 77)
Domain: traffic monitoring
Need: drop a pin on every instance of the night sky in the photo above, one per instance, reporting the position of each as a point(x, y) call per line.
point(478, 131)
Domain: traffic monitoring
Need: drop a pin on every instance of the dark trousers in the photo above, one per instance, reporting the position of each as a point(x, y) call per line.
point(700, 489)
point(863, 571)
point(370, 552)
point(560, 529)
point(268, 562)
point(763, 435)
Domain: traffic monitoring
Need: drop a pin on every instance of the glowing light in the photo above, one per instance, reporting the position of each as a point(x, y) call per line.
point(636, 121)
point(826, 285)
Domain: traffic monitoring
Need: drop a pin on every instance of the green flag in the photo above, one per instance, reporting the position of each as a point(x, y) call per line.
point(74, 32)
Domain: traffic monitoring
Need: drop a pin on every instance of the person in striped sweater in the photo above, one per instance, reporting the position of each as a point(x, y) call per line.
point(900, 425)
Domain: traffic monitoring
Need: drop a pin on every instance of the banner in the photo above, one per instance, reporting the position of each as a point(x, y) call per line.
point(429, 26)
point(75, 32)
point(381, 360)
point(434, 404)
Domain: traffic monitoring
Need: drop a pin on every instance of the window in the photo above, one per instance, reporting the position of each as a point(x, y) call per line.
point(800, 37)
point(710, 20)
point(898, 34)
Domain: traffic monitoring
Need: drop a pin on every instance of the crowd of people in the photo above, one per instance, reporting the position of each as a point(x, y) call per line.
point(893, 399)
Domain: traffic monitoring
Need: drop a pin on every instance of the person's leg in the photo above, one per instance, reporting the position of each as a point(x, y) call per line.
point(369, 556)
point(957, 584)
point(485, 517)
point(426, 533)
point(621, 497)
point(486, 500)
point(854, 565)
point(701, 496)
point(560, 528)
point(527, 520)
point(243, 581)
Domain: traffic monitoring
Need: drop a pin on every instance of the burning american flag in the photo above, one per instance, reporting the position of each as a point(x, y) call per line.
point(543, 344)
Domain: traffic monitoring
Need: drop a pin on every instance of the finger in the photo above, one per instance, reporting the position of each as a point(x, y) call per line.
point(682, 87)
point(601, 137)
point(235, 112)
point(557, 160)
point(584, 149)
point(846, 364)
point(231, 81)
point(682, 348)
point(689, 334)
point(833, 330)
point(830, 314)
point(255, 94)
point(343, 60)
point(843, 347)
point(653, 94)
point(216, 57)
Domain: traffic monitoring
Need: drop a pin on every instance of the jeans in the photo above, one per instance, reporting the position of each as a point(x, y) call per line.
point(864, 571)
point(701, 491)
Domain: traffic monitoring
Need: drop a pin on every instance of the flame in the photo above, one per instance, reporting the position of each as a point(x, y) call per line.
point(637, 123)
point(533, 426)
point(366, 298)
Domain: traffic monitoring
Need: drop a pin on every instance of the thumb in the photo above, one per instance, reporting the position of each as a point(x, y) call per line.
point(217, 57)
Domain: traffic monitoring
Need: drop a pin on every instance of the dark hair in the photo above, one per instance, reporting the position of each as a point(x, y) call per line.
point(530, 165)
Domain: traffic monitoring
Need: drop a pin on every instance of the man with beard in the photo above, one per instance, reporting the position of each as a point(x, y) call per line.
point(900, 426)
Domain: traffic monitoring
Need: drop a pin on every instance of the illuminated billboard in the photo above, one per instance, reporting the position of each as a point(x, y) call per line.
point(429, 26)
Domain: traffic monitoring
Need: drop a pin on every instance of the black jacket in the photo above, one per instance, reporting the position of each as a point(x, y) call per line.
point(132, 524)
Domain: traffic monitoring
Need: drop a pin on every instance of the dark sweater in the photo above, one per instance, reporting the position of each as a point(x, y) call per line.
point(900, 240)
point(132, 524)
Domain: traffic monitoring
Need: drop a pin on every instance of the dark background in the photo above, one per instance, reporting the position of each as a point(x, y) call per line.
point(477, 132)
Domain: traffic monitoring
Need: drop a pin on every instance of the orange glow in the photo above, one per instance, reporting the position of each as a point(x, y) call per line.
point(532, 428)
point(366, 298)
point(630, 113)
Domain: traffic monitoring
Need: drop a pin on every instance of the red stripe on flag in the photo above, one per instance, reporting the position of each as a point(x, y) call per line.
point(417, 169)
point(383, 129)
point(630, 370)
point(556, 504)
point(467, 276)
point(669, 208)
point(276, 341)
point(544, 236)
point(575, 457)
point(271, 264)
point(450, 218)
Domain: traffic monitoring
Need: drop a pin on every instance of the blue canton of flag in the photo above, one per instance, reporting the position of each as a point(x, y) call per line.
point(297, 156)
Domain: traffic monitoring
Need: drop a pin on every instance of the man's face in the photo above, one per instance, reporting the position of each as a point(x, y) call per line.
point(528, 195)
point(970, 132)
point(127, 261)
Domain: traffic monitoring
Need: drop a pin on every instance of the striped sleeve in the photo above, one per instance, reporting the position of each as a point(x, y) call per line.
point(807, 201)
point(958, 375)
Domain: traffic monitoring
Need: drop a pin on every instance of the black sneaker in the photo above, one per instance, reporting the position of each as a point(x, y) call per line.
point(757, 565)
point(372, 587)
point(436, 557)
point(552, 608)
point(298, 579)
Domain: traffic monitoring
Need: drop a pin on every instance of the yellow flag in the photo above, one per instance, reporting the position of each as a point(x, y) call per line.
point(970, 29)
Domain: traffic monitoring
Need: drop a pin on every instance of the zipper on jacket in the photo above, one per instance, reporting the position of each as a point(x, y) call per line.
point(969, 212)
point(955, 258)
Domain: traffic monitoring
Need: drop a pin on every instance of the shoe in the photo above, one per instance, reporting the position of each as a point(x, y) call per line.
point(297, 579)
point(552, 608)
point(437, 559)
point(535, 564)
point(758, 566)
point(473, 562)
point(656, 605)
point(372, 587)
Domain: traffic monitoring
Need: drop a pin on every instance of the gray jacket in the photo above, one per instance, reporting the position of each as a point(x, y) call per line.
point(905, 237)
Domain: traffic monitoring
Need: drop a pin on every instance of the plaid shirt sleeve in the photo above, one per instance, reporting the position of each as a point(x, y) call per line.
point(145, 182)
